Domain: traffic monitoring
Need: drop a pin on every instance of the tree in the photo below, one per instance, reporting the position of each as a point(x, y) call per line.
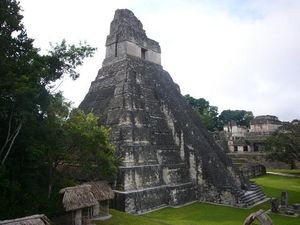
point(88, 142)
point(48, 138)
point(72, 138)
point(37, 132)
point(207, 113)
point(209, 117)
point(26, 76)
point(241, 117)
point(284, 144)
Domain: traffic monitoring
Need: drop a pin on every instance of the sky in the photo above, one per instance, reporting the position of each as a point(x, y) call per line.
point(237, 54)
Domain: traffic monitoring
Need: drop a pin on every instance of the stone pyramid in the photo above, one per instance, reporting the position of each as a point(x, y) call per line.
point(168, 158)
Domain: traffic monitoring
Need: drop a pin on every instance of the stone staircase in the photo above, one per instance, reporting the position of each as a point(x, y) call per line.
point(252, 196)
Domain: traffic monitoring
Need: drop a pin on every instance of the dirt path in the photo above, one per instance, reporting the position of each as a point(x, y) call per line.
point(283, 174)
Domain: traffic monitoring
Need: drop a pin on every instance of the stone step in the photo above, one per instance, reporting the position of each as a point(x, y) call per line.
point(255, 189)
point(160, 187)
point(252, 196)
point(253, 186)
point(139, 166)
point(252, 192)
point(181, 185)
point(253, 201)
point(239, 160)
point(176, 165)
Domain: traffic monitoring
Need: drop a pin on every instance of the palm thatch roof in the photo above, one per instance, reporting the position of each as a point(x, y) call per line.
point(29, 220)
point(101, 190)
point(78, 197)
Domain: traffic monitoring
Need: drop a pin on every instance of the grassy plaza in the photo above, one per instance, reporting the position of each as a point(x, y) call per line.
point(210, 214)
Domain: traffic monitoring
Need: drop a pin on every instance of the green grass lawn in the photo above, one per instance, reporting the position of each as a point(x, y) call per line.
point(208, 214)
point(273, 186)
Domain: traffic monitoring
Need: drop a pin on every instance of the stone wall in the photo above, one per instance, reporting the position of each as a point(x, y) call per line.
point(264, 128)
point(243, 139)
point(258, 158)
point(119, 50)
point(127, 37)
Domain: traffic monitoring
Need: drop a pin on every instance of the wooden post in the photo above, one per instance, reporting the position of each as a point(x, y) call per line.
point(96, 210)
point(107, 208)
point(78, 217)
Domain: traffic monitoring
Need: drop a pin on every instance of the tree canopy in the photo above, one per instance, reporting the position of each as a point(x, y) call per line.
point(241, 117)
point(90, 146)
point(39, 135)
point(210, 118)
point(284, 144)
point(207, 113)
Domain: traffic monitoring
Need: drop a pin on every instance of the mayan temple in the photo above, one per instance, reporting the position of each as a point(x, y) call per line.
point(168, 158)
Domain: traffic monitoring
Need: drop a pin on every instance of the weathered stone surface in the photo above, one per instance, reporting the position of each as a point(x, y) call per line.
point(251, 169)
point(284, 199)
point(127, 37)
point(168, 158)
point(126, 27)
point(274, 205)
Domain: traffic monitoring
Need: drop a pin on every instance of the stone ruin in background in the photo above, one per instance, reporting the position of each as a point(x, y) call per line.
point(168, 158)
point(241, 139)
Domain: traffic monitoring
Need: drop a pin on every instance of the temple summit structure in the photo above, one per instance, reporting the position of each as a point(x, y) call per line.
point(168, 157)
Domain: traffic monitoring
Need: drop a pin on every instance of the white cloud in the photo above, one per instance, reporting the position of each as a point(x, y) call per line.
point(236, 54)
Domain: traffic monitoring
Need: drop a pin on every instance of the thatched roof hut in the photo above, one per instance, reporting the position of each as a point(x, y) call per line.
point(101, 190)
point(29, 220)
point(78, 197)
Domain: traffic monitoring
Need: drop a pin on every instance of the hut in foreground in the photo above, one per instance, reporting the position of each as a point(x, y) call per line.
point(79, 201)
point(29, 220)
point(86, 202)
point(102, 193)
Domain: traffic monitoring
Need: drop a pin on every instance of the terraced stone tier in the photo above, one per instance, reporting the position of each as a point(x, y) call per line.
point(142, 200)
point(168, 158)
